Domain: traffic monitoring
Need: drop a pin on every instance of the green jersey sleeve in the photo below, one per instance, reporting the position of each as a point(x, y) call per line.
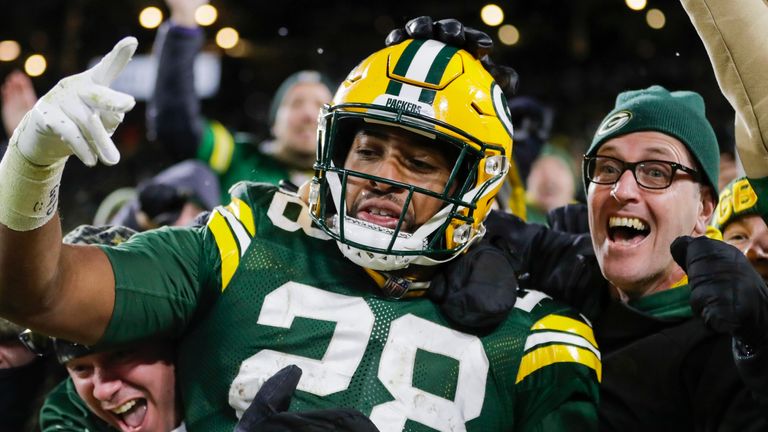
point(64, 411)
point(558, 378)
point(163, 279)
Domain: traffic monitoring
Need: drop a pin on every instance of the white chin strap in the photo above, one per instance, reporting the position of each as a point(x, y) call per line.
point(375, 236)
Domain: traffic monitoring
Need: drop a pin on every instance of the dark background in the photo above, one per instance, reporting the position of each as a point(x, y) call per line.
point(575, 55)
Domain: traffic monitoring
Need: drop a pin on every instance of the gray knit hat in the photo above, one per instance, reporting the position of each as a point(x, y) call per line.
point(305, 76)
point(679, 114)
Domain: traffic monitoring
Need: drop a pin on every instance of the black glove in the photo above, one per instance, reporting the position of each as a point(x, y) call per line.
point(267, 412)
point(726, 291)
point(452, 32)
point(478, 289)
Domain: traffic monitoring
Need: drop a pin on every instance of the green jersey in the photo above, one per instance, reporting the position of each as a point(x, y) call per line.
point(63, 410)
point(260, 288)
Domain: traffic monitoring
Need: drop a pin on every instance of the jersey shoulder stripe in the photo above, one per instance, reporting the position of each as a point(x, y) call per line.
point(555, 337)
point(232, 228)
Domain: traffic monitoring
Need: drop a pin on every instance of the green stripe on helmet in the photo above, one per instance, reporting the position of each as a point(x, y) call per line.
point(441, 61)
point(394, 87)
point(427, 96)
point(401, 68)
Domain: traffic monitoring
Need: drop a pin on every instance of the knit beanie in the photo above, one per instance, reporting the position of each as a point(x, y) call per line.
point(679, 114)
point(737, 199)
point(305, 76)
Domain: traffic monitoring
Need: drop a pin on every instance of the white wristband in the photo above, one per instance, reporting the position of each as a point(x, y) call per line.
point(29, 193)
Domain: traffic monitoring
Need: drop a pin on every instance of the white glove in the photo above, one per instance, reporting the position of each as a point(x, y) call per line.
point(79, 115)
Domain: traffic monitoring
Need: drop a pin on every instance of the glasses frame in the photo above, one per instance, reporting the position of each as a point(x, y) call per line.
point(632, 166)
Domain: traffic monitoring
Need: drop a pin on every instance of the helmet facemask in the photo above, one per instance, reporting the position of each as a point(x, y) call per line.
point(443, 236)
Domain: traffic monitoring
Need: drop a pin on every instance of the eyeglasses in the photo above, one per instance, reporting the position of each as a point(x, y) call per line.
point(650, 174)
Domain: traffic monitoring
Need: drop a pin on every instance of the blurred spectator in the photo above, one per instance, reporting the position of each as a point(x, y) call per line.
point(174, 114)
point(551, 183)
point(532, 123)
point(18, 97)
point(128, 388)
point(738, 222)
point(173, 197)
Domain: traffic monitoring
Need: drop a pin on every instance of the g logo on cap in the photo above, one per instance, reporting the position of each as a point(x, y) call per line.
point(614, 122)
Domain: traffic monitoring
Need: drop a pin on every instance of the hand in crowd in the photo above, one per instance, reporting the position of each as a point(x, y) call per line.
point(18, 97)
point(452, 32)
point(268, 411)
point(727, 292)
point(183, 11)
point(79, 115)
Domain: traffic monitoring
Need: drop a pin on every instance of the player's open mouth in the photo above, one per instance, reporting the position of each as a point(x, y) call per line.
point(627, 230)
point(386, 216)
point(131, 414)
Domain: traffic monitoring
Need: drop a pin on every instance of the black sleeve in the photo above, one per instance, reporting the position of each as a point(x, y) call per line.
point(562, 265)
point(572, 218)
point(752, 365)
point(173, 113)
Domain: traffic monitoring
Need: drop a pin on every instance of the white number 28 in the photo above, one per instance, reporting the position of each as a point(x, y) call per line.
point(333, 373)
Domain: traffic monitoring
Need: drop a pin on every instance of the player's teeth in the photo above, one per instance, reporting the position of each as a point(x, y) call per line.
point(124, 407)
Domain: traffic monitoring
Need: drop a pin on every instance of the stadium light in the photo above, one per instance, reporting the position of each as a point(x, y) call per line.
point(492, 15)
point(35, 65)
point(655, 19)
point(508, 34)
point(9, 50)
point(150, 17)
point(227, 37)
point(206, 15)
point(636, 5)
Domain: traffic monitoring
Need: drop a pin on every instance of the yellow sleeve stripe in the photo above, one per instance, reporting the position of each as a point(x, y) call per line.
point(243, 213)
point(566, 324)
point(223, 148)
point(545, 356)
point(225, 241)
point(547, 338)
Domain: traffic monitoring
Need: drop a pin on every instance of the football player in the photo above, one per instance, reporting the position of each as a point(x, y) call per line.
point(411, 152)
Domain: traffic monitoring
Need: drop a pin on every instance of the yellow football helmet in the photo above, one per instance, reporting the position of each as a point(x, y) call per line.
point(434, 90)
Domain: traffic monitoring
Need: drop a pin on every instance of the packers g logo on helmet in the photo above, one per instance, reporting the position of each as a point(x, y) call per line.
point(430, 89)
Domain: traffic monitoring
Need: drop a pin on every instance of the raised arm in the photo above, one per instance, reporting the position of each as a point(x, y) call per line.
point(65, 291)
point(173, 113)
point(735, 36)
